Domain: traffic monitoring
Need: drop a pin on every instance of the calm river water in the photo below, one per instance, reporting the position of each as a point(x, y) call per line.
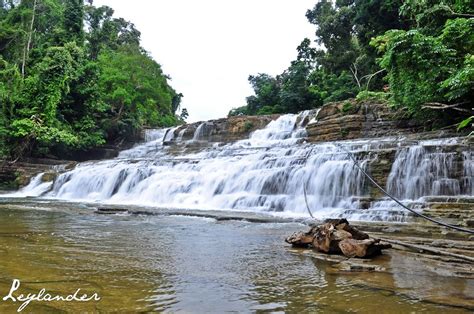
point(197, 265)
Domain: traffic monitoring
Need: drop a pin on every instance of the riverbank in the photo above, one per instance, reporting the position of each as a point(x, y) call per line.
point(139, 262)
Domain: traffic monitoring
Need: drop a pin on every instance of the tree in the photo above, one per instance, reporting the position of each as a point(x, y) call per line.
point(184, 114)
point(105, 32)
point(100, 29)
point(26, 50)
point(137, 92)
point(335, 31)
point(418, 80)
point(296, 94)
point(65, 87)
point(73, 21)
point(266, 90)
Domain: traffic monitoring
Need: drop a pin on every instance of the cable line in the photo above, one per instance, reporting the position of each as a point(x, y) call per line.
point(397, 201)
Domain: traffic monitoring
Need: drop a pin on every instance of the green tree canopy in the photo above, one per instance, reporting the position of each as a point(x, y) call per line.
point(74, 77)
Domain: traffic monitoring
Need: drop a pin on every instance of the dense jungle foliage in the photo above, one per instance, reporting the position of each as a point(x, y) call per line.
point(73, 77)
point(417, 54)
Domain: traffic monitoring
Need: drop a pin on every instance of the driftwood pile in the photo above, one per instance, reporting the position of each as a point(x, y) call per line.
point(336, 236)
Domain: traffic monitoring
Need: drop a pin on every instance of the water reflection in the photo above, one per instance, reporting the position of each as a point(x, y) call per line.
point(197, 265)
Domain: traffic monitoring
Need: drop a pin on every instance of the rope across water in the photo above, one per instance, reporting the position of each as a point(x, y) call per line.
point(386, 193)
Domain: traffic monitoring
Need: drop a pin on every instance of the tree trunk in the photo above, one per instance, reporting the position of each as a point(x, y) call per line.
point(26, 51)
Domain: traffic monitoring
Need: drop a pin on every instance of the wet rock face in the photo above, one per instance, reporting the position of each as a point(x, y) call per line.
point(49, 176)
point(223, 130)
point(379, 169)
point(16, 175)
point(333, 122)
point(350, 120)
point(8, 178)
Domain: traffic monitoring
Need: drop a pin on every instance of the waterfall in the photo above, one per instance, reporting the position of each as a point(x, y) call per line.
point(315, 117)
point(181, 134)
point(263, 173)
point(303, 117)
point(169, 135)
point(153, 145)
point(276, 130)
point(154, 134)
point(468, 173)
point(266, 172)
point(36, 187)
point(423, 170)
point(199, 133)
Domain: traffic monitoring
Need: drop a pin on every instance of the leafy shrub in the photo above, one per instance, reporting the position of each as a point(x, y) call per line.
point(248, 126)
point(364, 96)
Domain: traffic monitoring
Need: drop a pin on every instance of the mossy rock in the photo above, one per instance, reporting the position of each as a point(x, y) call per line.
point(49, 176)
point(22, 179)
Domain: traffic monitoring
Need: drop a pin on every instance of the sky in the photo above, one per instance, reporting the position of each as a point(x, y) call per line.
point(210, 47)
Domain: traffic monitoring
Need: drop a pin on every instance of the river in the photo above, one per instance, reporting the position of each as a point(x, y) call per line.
point(197, 265)
point(52, 237)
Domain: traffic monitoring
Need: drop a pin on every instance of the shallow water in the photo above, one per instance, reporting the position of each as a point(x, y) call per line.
point(196, 265)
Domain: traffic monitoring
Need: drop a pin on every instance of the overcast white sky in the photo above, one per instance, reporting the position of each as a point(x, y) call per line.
point(210, 47)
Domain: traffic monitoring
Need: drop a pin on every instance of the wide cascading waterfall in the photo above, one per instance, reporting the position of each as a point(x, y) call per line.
point(266, 172)
point(263, 173)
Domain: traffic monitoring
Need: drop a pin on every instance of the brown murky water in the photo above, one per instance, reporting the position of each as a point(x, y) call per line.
point(196, 265)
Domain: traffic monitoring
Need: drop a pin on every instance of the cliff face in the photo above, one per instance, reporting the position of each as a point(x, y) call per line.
point(18, 174)
point(352, 120)
point(333, 122)
point(222, 130)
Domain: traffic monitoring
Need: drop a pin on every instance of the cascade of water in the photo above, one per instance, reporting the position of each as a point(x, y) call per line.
point(36, 187)
point(266, 172)
point(153, 143)
point(315, 117)
point(199, 133)
point(468, 173)
point(169, 135)
point(154, 134)
point(422, 170)
point(181, 134)
point(301, 130)
point(277, 130)
point(303, 116)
